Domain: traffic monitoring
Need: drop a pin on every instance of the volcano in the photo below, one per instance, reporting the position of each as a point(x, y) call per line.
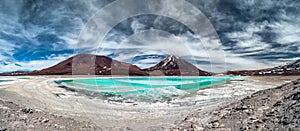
point(174, 66)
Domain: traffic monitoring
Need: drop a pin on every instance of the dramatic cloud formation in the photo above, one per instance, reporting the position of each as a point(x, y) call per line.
point(255, 34)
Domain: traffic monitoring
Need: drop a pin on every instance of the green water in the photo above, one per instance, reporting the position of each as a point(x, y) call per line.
point(144, 86)
point(5, 80)
point(25, 78)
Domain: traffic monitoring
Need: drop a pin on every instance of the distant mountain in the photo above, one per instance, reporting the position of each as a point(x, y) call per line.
point(288, 69)
point(14, 73)
point(174, 66)
point(87, 64)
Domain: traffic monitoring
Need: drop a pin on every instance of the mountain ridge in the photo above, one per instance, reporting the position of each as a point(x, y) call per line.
point(292, 68)
point(88, 64)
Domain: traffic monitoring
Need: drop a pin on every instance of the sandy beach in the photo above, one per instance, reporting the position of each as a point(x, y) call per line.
point(43, 94)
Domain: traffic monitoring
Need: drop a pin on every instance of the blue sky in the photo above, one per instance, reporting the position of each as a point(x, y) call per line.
point(35, 34)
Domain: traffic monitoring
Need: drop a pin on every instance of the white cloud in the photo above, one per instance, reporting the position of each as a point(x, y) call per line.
point(158, 42)
point(7, 48)
point(235, 62)
point(287, 33)
point(137, 26)
point(248, 39)
point(34, 64)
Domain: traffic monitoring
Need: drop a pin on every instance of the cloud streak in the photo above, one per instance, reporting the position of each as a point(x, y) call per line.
point(254, 34)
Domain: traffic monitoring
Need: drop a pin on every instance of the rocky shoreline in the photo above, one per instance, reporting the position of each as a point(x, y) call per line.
point(271, 109)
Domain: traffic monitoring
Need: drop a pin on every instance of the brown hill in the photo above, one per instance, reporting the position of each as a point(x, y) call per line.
point(86, 64)
point(288, 69)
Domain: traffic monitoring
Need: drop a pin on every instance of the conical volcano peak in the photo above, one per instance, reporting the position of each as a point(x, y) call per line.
point(173, 57)
point(170, 58)
point(173, 65)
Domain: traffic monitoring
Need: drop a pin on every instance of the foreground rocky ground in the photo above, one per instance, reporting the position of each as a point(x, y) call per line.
point(34, 105)
point(14, 117)
point(271, 109)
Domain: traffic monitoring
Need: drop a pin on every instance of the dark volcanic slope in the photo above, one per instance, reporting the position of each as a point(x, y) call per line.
point(288, 69)
point(84, 64)
point(173, 65)
point(271, 109)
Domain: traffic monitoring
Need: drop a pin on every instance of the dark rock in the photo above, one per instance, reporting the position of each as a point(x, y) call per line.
point(27, 110)
point(296, 96)
point(278, 103)
point(241, 108)
point(45, 120)
point(3, 129)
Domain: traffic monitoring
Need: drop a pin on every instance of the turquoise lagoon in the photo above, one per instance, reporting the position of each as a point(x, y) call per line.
point(5, 80)
point(146, 87)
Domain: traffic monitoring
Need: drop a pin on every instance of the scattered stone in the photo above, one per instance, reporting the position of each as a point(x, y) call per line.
point(3, 129)
point(296, 96)
point(38, 111)
point(25, 118)
point(45, 120)
point(27, 110)
point(271, 109)
point(241, 108)
point(215, 124)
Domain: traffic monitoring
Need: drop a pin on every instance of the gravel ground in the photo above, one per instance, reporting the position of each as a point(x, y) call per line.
point(14, 117)
point(271, 109)
point(38, 104)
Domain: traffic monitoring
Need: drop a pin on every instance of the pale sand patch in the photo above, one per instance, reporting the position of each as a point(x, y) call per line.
point(276, 79)
point(43, 93)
